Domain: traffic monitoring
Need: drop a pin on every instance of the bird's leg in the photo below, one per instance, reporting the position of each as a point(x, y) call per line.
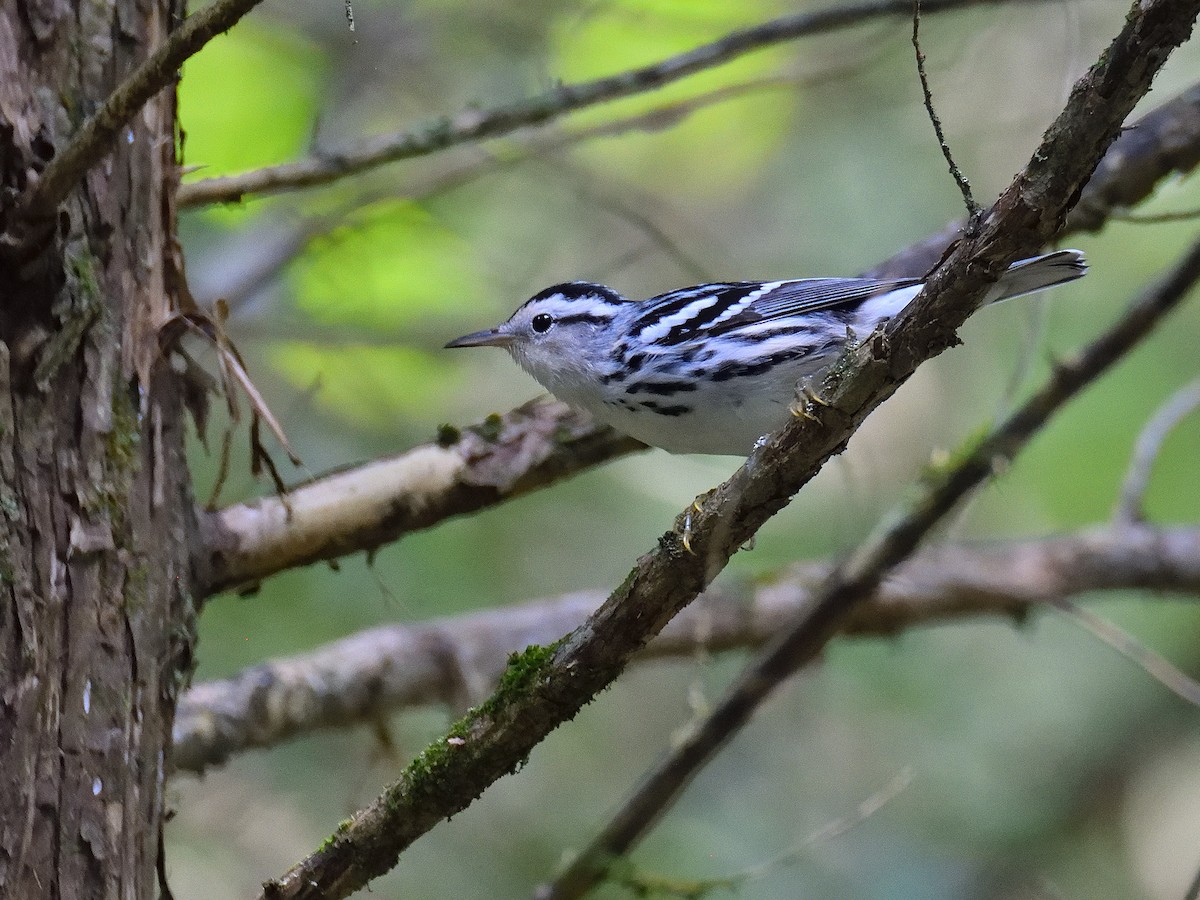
point(806, 396)
point(686, 537)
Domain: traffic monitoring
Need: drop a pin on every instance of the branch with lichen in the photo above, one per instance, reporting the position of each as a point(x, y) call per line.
point(364, 507)
point(545, 686)
point(457, 660)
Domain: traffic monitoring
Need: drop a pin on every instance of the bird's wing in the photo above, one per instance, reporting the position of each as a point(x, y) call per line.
point(809, 295)
point(716, 309)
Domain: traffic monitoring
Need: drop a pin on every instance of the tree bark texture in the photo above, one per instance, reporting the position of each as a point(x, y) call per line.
point(96, 614)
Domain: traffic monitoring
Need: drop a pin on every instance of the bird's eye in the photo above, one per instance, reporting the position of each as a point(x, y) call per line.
point(541, 323)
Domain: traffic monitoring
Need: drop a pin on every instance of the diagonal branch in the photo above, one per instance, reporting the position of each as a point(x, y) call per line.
point(95, 138)
point(546, 686)
point(476, 125)
point(367, 506)
point(850, 585)
point(456, 659)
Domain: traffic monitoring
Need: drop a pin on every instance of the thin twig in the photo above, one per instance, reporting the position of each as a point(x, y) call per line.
point(643, 884)
point(865, 809)
point(1164, 142)
point(457, 660)
point(1178, 407)
point(1162, 218)
point(1153, 664)
point(480, 124)
point(964, 186)
point(1193, 891)
point(605, 196)
point(94, 139)
point(852, 583)
point(546, 686)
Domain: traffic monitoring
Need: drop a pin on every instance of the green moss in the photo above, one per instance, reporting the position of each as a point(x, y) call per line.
point(944, 464)
point(342, 827)
point(490, 428)
point(80, 306)
point(648, 884)
point(524, 670)
point(108, 496)
point(125, 435)
point(137, 581)
point(448, 435)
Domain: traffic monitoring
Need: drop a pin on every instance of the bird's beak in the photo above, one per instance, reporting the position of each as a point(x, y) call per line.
point(489, 337)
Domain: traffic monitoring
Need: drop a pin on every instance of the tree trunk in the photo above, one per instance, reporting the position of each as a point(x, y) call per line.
point(96, 614)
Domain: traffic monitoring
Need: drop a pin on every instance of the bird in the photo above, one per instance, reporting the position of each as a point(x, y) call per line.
point(714, 367)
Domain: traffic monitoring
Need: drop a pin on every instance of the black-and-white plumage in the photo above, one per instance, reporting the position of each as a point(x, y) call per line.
point(711, 368)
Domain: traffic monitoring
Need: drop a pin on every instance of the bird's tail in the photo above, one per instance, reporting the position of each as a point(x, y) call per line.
point(1037, 273)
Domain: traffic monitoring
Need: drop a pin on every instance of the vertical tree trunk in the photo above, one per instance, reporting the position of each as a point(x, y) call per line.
point(96, 616)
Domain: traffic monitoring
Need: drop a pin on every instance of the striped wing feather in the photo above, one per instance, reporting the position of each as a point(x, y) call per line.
point(733, 305)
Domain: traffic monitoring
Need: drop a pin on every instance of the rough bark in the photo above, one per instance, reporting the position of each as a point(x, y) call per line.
point(96, 617)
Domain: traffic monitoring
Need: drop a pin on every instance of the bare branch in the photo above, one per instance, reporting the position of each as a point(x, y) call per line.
point(1193, 891)
point(367, 506)
point(1162, 142)
point(481, 124)
point(851, 584)
point(458, 660)
point(1178, 407)
point(546, 686)
point(95, 138)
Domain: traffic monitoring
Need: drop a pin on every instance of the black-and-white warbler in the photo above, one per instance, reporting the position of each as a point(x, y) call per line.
point(711, 368)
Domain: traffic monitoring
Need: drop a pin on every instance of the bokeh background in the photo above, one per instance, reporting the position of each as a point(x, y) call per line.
point(1040, 764)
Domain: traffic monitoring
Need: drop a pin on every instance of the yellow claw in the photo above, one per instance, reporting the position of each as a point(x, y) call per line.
point(804, 396)
point(812, 396)
point(800, 411)
point(686, 539)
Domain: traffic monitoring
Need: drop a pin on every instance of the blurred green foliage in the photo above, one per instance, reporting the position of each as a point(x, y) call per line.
point(251, 98)
point(1031, 748)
